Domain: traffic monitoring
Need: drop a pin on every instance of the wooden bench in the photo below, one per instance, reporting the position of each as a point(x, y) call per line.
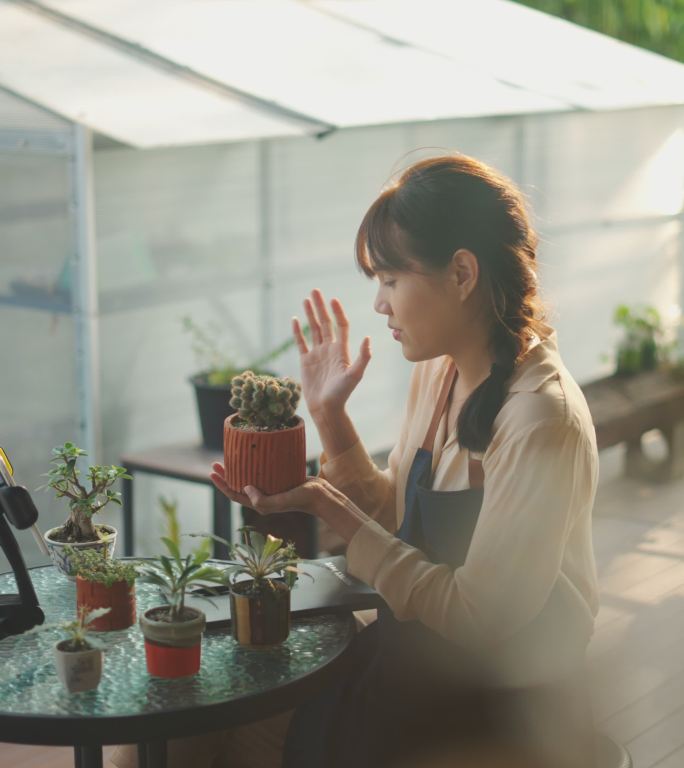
point(623, 408)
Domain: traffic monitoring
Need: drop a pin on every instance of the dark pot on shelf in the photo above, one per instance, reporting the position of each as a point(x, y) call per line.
point(649, 355)
point(213, 406)
point(260, 619)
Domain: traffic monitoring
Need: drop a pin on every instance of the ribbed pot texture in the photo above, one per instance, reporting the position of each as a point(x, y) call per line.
point(120, 598)
point(260, 621)
point(270, 461)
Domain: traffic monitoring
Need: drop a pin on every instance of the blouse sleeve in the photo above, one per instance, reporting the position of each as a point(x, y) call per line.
point(537, 485)
point(358, 477)
point(373, 490)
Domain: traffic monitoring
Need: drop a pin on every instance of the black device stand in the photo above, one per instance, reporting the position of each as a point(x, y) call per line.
point(17, 612)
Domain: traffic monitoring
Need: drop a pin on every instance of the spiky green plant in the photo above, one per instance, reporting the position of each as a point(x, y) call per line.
point(259, 558)
point(174, 573)
point(217, 367)
point(77, 630)
point(266, 402)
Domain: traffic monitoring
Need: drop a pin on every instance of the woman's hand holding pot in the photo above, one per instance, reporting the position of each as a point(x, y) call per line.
point(315, 496)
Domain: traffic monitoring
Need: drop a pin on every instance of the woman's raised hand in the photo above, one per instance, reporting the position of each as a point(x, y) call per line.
point(328, 374)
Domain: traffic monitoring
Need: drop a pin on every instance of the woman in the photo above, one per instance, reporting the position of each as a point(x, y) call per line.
point(478, 535)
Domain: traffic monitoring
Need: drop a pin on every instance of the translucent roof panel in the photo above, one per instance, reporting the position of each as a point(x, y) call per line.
point(117, 94)
point(290, 53)
point(525, 47)
point(17, 113)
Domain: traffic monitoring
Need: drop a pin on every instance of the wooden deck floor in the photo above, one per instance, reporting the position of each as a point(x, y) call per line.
point(637, 654)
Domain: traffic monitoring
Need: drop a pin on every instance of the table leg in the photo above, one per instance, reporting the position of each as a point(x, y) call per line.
point(152, 755)
point(88, 756)
point(127, 510)
point(222, 523)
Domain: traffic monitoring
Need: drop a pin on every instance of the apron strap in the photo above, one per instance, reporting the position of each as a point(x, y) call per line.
point(448, 382)
point(475, 471)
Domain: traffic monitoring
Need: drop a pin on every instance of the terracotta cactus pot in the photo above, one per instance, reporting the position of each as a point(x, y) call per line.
point(120, 597)
point(270, 461)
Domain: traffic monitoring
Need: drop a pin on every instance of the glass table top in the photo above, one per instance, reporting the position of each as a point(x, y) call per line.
point(29, 683)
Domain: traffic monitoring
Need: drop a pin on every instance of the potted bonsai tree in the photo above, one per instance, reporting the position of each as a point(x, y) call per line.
point(260, 604)
point(79, 531)
point(264, 442)
point(173, 632)
point(212, 382)
point(78, 658)
point(102, 582)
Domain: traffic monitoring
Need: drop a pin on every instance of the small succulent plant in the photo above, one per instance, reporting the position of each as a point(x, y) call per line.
point(265, 402)
point(93, 565)
point(77, 630)
point(259, 557)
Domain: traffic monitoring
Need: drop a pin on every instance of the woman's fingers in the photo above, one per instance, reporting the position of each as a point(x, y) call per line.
point(299, 499)
point(358, 367)
point(341, 320)
point(217, 477)
point(316, 335)
point(327, 330)
point(302, 346)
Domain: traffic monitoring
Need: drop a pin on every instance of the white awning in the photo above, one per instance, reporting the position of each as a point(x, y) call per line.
point(117, 94)
point(163, 72)
point(530, 49)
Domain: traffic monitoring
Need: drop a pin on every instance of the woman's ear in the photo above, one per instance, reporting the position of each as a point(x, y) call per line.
point(464, 272)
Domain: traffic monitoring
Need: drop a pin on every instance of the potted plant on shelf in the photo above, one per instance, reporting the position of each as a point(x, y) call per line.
point(212, 383)
point(639, 349)
point(260, 604)
point(173, 632)
point(79, 531)
point(78, 658)
point(264, 441)
point(102, 582)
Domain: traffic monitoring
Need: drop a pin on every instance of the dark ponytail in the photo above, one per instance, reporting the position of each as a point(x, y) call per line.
point(438, 206)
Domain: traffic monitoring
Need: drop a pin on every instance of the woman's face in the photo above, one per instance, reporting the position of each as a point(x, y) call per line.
point(424, 312)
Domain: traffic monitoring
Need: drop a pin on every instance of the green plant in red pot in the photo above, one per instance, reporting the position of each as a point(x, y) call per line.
point(102, 582)
point(173, 632)
point(264, 443)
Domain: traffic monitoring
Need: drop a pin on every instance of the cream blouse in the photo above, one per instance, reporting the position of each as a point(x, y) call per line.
point(526, 596)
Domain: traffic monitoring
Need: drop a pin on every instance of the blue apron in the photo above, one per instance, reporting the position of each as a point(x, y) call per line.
point(409, 687)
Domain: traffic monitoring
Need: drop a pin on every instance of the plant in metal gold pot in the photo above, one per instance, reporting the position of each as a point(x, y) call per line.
point(260, 603)
point(264, 442)
point(173, 632)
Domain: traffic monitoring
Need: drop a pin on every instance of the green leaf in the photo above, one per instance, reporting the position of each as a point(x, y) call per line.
point(172, 547)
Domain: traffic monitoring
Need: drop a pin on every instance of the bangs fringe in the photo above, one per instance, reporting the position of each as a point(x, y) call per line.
point(380, 245)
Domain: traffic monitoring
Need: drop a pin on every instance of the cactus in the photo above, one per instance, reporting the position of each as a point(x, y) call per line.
point(265, 402)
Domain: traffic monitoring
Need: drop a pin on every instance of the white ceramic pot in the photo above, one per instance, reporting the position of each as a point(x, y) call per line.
point(60, 557)
point(78, 670)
